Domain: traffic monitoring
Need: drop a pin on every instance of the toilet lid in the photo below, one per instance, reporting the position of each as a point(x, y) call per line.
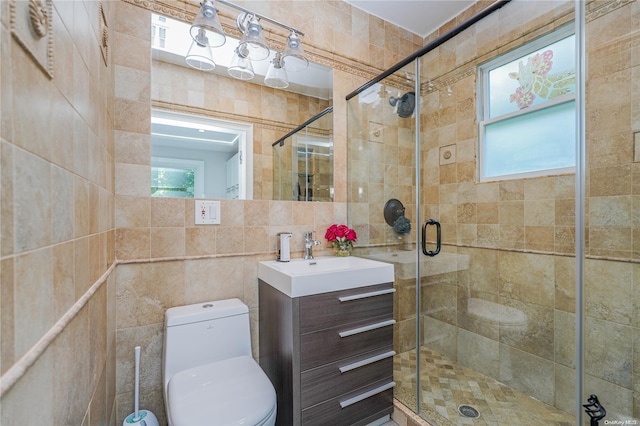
point(233, 391)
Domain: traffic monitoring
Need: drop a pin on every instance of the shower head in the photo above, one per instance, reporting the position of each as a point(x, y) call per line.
point(405, 104)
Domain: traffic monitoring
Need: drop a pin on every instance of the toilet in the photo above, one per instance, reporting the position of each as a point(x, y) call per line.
point(209, 375)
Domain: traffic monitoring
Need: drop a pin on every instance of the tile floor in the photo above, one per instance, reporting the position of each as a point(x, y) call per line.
point(445, 385)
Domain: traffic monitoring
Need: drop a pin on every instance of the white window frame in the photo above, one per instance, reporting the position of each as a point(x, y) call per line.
point(483, 104)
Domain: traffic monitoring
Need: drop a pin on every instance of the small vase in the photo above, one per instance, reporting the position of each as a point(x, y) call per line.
point(343, 250)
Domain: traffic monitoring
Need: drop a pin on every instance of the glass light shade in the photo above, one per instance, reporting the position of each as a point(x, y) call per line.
point(252, 36)
point(293, 56)
point(208, 21)
point(276, 75)
point(241, 67)
point(200, 57)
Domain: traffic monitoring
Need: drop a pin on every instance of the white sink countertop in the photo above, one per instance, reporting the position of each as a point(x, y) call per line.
point(301, 277)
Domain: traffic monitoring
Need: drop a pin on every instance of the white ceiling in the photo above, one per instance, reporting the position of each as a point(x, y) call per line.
point(420, 17)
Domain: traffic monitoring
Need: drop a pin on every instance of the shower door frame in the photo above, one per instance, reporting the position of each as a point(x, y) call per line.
point(580, 185)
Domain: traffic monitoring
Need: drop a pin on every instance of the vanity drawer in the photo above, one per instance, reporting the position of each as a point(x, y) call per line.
point(341, 377)
point(348, 409)
point(329, 345)
point(328, 310)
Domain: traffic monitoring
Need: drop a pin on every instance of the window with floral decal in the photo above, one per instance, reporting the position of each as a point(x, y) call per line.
point(526, 101)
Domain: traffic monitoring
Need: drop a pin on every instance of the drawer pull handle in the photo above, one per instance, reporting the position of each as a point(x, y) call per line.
point(366, 328)
point(367, 361)
point(368, 394)
point(365, 295)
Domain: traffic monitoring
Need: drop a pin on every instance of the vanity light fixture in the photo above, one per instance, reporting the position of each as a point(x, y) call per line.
point(241, 67)
point(293, 56)
point(252, 36)
point(207, 20)
point(207, 32)
point(199, 55)
point(276, 76)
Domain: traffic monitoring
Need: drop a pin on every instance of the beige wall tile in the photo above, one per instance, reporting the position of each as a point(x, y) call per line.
point(63, 278)
point(527, 373)
point(609, 290)
point(33, 230)
point(200, 240)
point(132, 147)
point(213, 279)
point(33, 296)
point(527, 277)
point(132, 243)
point(36, 385)
point(609, 351)
point(167, 212)
point(72, 371)
point(132, 179)
point(478, 352)
point(7, 314)
point(167, 242)
point(149, 338)
point(564, 340)
point(132, 212)
point(7, 226)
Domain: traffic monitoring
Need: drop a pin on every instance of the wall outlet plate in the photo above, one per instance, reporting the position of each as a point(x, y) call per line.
point(207, 212)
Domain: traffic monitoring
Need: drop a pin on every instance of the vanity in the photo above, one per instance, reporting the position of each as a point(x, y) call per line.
point(326, 339)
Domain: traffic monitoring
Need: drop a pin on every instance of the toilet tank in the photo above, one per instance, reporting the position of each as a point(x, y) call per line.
point(203, 333)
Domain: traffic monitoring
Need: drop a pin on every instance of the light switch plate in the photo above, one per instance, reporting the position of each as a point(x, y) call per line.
point(207, 212)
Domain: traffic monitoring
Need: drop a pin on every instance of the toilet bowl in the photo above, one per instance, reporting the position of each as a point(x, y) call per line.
point(209, 375)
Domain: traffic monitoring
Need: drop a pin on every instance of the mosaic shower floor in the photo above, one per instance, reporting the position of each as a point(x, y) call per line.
point(445, 385)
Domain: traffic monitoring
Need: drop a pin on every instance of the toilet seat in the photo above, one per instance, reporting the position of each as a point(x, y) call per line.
point(233, 391)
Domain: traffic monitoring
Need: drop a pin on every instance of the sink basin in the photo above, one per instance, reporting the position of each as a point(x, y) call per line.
point(301, 277)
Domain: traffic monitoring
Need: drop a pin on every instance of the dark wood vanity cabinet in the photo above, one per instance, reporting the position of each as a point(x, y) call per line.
point(329, 355)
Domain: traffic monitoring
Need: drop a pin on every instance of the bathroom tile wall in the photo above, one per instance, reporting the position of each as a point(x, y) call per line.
point(57, 227)
point(168, 261)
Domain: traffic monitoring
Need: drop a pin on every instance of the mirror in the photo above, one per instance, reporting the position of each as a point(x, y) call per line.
point(210, 131)
point(303, 161)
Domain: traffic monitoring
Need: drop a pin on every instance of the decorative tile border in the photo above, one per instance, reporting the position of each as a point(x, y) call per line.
point(31, 25)
point(103, 34)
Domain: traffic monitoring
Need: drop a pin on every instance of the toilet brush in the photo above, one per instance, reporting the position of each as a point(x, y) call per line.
point(139, 417)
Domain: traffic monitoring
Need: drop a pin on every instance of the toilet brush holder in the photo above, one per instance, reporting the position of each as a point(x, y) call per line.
point(139, 417)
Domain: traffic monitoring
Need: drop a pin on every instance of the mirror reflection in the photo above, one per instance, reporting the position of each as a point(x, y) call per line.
point(199, 157)
point(303, 161)
point(215, 118)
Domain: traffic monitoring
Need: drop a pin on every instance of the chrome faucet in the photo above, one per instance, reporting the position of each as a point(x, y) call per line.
point(309, 242)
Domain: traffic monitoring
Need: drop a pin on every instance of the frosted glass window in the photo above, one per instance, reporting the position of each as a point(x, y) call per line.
point(527, 110)
point(538, 141)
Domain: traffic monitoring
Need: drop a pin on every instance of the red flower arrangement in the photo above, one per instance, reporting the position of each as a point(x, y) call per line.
point(341, 236)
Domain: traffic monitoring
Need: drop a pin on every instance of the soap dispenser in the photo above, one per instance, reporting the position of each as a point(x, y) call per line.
point(284, 247)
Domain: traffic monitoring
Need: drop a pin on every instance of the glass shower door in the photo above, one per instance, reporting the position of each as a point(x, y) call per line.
point(497, 304)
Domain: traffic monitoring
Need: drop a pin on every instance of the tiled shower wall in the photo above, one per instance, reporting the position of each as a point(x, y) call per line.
point(57, 223)
point(518, 235)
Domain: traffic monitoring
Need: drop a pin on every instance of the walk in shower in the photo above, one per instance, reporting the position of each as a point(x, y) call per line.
point(533, 296)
